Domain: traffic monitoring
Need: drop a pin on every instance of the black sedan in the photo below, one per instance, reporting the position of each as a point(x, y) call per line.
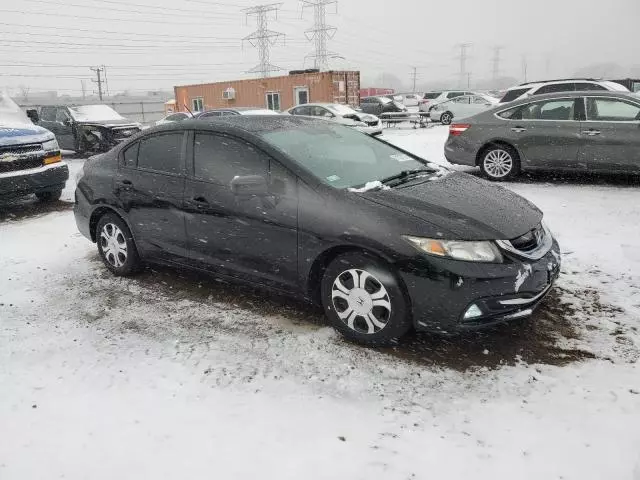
point(384, 240)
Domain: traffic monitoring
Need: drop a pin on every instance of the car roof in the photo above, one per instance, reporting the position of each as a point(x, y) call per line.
point(586, 93)
point(531, 85)
point(245, 123)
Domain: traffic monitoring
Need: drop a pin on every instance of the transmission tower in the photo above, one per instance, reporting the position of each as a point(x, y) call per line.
point(321, 32)
point(463, 57)
point(263, 38)
point(495, 61)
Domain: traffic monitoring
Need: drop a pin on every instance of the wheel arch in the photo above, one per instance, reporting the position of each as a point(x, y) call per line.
point(98, 213)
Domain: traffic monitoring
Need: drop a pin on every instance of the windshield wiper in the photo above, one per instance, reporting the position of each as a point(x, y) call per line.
point(404, 176)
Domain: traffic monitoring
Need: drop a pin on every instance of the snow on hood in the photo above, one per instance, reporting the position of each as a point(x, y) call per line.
point(94, 113)
point(15, 126)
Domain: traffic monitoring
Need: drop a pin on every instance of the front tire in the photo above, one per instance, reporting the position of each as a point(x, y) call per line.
point(500, 162)
point(49, 196)
point(446, 118)
point(364, 300)
point(116, 246)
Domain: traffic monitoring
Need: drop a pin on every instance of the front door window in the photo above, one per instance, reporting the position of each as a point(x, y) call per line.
point(273, 101)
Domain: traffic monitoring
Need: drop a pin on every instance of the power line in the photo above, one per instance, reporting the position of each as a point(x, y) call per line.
point(321, 32)
point(263, 38)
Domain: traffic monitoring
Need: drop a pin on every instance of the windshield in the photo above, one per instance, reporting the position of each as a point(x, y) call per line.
point(385, 100)
point(94, 113)
point(10, 112)
point(512, 95)
point(339, 156)
point(341, 109)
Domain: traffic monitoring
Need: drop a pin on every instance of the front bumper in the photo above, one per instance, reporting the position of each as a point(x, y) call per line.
point(371, 130)
point(48, 178)
point(443, 290)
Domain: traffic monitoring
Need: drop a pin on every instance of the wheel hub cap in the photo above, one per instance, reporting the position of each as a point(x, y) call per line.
point(113, 244)
point(498, 163)
point(361, 301)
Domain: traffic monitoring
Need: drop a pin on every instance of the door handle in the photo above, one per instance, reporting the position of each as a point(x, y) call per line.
point(591, 132)
point(518, 129)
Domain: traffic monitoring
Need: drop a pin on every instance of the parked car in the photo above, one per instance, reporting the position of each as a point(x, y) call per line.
point(225, 112)
point(174, 117)
point(396, 97)
point(574, 131)
point(342, 114)
point(85, 129)
point(30, 160)
point(314, 209)
point(557, 86)
point(460, 107)
point(430, 99)
point(410, 99)
point(381, 105)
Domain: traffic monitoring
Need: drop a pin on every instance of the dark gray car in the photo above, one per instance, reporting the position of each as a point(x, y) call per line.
point(581, 131)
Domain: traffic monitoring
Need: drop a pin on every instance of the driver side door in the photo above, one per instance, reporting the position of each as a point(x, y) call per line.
point(64, 129)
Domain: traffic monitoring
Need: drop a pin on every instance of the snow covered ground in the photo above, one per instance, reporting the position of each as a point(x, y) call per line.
point(175, 375)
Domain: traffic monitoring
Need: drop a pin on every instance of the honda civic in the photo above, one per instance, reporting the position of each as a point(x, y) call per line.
point(382, 239)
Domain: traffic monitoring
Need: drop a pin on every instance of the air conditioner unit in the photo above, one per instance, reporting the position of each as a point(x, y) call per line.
point(229, 94)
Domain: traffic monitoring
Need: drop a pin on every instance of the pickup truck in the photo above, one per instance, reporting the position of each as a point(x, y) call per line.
point(85, 129)
point(30, 159)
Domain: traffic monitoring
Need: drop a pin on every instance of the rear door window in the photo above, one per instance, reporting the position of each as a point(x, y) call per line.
point(218, 159)
point(161, 153)
point(611, 110)
point(431, 95)
point(454, 94)
point(585, 87)
point(560, 109)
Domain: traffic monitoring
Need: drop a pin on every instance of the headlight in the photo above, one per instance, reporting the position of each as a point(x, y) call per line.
point(482, 251)
point(359, 124)
point(50, 145)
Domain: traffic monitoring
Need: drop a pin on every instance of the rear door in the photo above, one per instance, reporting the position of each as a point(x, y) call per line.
point(611, 134)
point(251, 237)
point(547, 134)
point(150, 187)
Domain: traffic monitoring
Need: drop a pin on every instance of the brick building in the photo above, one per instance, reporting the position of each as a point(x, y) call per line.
point(275, 93)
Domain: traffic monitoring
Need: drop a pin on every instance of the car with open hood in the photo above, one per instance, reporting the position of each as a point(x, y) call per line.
point(342, 114)
point(384, 240)
point(30, 159)
point(85, 129)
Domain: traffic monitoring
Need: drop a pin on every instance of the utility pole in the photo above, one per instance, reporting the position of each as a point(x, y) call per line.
point(98, 71)
point(525, 66)
point(463, 57)
point(106, 80)
point(414, 76)
point(468, 80)
point(321, 32)
point(495, 62)
point(83, 85)
point(263, 38)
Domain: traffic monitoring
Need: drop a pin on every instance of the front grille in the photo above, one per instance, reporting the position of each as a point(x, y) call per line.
point(20, 157)
point(373, 123)
point(20, 149)
point(20, 164)
point(530, 240)
point(533, 245)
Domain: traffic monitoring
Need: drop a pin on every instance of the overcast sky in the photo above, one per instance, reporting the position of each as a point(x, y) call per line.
point(50, 44)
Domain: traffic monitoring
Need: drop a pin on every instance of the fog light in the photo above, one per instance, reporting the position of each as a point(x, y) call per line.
point(472, 312)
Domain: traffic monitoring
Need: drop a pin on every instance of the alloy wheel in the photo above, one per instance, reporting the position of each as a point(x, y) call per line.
point(114, 245)
point(446, 118)
point(498, 163)
point(361, 301)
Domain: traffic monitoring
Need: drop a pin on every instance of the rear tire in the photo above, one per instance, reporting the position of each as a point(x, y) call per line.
point(116, 246)
point(446, 118)
point(363, 298)
point(500, 162)
point(49, 196)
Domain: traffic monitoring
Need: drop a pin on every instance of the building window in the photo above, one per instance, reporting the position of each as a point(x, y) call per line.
point(273, 101)
point(197, 104)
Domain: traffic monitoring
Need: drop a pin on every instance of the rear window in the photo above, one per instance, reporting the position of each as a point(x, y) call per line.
point(431, 95)
point(556, 88)
point(511, 95)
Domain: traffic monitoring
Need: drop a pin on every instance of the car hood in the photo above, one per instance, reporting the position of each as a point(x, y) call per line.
point(110, 123)
point(19, 134)
point(462, 207)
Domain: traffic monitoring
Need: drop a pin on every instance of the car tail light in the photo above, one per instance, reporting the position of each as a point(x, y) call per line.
point(456, 129)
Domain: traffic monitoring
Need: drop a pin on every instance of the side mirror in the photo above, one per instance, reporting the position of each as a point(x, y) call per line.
point(32, 113)
point(250, 185)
